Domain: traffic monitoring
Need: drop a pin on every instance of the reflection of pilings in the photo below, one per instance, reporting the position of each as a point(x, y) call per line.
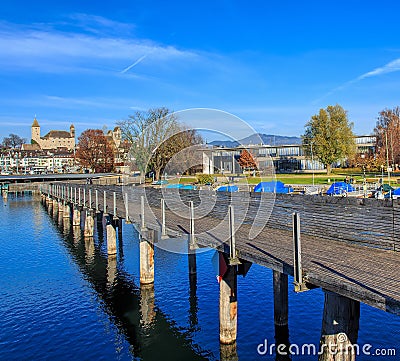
point(340, 325)
point(228, 352)
point(76, 218)
point(228, 306)
point(60, 206)
point(193, 285)
point(89, 249)
point(111, 235)
point(192, 262)
point(282, 343)
point(67, 226)
point(60, 216)
point(76, 234)
point(280, 284)
point(147, 257)
point(111, 269)
point(89, 224)
point(193, 300)
point(119, 222)
point(147, 311)
point(123, 303)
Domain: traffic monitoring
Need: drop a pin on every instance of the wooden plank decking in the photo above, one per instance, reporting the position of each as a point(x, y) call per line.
point(349, 246)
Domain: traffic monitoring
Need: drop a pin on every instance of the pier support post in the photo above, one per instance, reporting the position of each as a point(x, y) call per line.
point(76, 218)
point(147, 257)
point(280, 298)
point(111, 235)
point(228, 306)
point(192, 258)
point(60, 206)
point(55, 208)
point(89, 224)
point(50, 206)
point(119, 226)
point(340, 325)
point(67, 211)
point(281, 308)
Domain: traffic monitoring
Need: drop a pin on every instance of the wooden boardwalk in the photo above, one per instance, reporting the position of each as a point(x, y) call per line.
point(349, 246)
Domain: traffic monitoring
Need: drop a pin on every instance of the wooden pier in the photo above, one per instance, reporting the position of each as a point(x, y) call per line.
point(349, 247)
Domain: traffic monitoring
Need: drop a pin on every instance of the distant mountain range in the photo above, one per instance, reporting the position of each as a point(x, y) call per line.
point(267, 139)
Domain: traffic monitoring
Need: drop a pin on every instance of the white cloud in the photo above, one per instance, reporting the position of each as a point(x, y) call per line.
point(53, 50)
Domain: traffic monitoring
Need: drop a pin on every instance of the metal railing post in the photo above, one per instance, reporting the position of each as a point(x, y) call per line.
point(143, 224)
point(163, 227)
point(298, 269)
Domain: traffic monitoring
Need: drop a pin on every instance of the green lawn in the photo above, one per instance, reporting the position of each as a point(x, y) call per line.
point(295, 178)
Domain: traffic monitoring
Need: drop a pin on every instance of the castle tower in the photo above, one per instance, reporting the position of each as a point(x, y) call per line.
point(72, 131)
point(117, 135)
point(35, 131)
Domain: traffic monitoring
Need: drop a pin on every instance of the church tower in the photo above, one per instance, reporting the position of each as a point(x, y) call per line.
point(72, 131)
point(35, 131)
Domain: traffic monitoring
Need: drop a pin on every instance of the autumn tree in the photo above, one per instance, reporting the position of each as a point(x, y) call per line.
point(247, 161)
point(95, 151)
point(180, 153)
point(154, 138)
point(387, 132)
point(13, 141)
point(329, 136)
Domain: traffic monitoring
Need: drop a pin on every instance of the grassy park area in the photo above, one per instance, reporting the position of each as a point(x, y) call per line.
point(303, 178)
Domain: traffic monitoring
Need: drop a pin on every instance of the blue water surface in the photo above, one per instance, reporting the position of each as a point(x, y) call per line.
point(62, 298)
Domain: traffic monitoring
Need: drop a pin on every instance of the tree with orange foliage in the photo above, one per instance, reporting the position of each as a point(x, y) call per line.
point(387, 132)
point(95, 151)
point(246, 160)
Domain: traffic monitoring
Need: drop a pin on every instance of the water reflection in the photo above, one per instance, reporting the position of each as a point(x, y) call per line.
point(282, 339)
point(132, 310)
point(111, 270)
point(89, 249)
point(147, 309)
point(228, 352)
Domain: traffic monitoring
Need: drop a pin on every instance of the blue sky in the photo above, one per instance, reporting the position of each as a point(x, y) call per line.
point(272, 63)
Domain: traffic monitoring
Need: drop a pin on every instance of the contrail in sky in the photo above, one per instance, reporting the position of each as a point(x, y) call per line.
point(134, 64)
point(391, 67)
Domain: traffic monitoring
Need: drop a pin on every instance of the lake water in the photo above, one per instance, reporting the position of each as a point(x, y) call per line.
point(61, 298)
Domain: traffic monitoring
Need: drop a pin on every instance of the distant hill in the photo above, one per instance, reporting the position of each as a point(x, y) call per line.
point(267, 139)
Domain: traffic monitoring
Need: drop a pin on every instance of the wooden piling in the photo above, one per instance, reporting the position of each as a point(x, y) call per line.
point(280, 283)
point(60, 206)
point(111, 235)
point(89, 224)
point(67, 210)
point(192, 262)
point(340, 326)
point(228, 306)
point(147, 258)
point(76, 218)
